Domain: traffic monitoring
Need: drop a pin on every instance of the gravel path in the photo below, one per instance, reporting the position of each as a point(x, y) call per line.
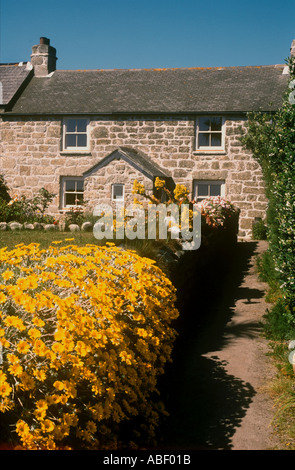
point(217, 396)
point(244, 357)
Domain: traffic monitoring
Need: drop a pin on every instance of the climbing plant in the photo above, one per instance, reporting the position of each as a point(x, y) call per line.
point(271, 138)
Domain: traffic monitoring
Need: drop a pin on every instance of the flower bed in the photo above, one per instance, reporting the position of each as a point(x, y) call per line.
point(85, 332)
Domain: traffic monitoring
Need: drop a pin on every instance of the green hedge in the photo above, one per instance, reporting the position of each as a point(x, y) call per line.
point(271, 138)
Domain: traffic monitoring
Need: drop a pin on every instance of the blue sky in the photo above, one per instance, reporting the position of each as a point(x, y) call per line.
point(94, 34)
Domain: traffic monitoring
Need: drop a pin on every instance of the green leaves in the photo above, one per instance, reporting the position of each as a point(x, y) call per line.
point(271, 138)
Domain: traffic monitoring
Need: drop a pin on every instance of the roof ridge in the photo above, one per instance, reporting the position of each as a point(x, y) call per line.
point(159, 69)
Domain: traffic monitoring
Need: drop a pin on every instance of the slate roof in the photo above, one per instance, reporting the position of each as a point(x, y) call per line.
point(187, 90)
point(12, 76)
point(136, 158)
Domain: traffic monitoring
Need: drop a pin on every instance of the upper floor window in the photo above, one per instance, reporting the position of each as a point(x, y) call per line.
point(210, 133)
point(75, 134)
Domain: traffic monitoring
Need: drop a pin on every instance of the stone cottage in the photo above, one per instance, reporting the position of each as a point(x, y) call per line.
point(86, 135)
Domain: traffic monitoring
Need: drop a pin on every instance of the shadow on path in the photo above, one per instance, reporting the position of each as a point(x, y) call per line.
point(205, 403)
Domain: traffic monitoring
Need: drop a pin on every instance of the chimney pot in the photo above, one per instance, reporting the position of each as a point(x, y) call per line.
point(45, 41)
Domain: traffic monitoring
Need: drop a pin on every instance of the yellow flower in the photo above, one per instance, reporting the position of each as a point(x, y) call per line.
point(42, 404)
point(23, 347)
point(77, 336)
point(38, 322)
point(15, 321)
point(40, 348)
point(82, 348)
point(59, 334)
point(138, 188)
point(22, 428)
point(126, 357)
point(30, 282)
point(3, 298)
point(34, 333)
point(141, 332)
point(70, 389)
point(8, 274)
point(5, 389)
point(58, 385)
point(61, 431)
point(6, 405)
point(12, 359)
point(58, 348)
point(70, 419)
point(40, 375)
point(180, 192)
point(40, 413)
point(159, 183)
point(27, 382)
point(16, 369)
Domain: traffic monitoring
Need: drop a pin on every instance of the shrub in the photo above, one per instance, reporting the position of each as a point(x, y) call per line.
point(4, 190)
point(259, 230)
point(271, 138)
point(216, 212)
point(23, 209)
point(75, 215)
point(85, 333)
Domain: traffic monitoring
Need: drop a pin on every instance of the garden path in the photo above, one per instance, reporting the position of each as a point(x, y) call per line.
point(216, 390)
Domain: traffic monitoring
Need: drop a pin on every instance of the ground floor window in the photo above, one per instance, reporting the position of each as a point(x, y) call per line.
point(118, 192)
point(204, 189)
point(72, 191)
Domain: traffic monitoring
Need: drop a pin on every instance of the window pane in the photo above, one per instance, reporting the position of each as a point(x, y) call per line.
point(80, 185)
point(81, 125)
point(70, 199)
point(203, 190)
point(215, 189)
point(203, 140)
point(216, 140)
point(118, 191)
point(204, 124)
point(79, 199)
point(70, 140)
point(71, 125)
point(70, 185)
point(82, 140)
point(216, 123)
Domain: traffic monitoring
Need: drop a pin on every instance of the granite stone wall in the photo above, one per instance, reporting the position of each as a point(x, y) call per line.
point(31, 157)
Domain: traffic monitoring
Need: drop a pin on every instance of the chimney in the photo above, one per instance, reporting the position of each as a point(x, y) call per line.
point(43, 58)
point(292, 49)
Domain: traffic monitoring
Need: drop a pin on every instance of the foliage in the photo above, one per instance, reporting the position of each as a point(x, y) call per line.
point(271, 138)
point(216, 211)
point(4, 190)
point(85, 333)
point(74, 215)
point(259, 230)
point(23, 209)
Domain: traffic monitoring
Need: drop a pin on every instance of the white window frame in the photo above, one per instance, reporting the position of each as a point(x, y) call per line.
point(212, 147)
point(208, 182)
point(64, 179)
point(75, 148)
point(115, 199)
